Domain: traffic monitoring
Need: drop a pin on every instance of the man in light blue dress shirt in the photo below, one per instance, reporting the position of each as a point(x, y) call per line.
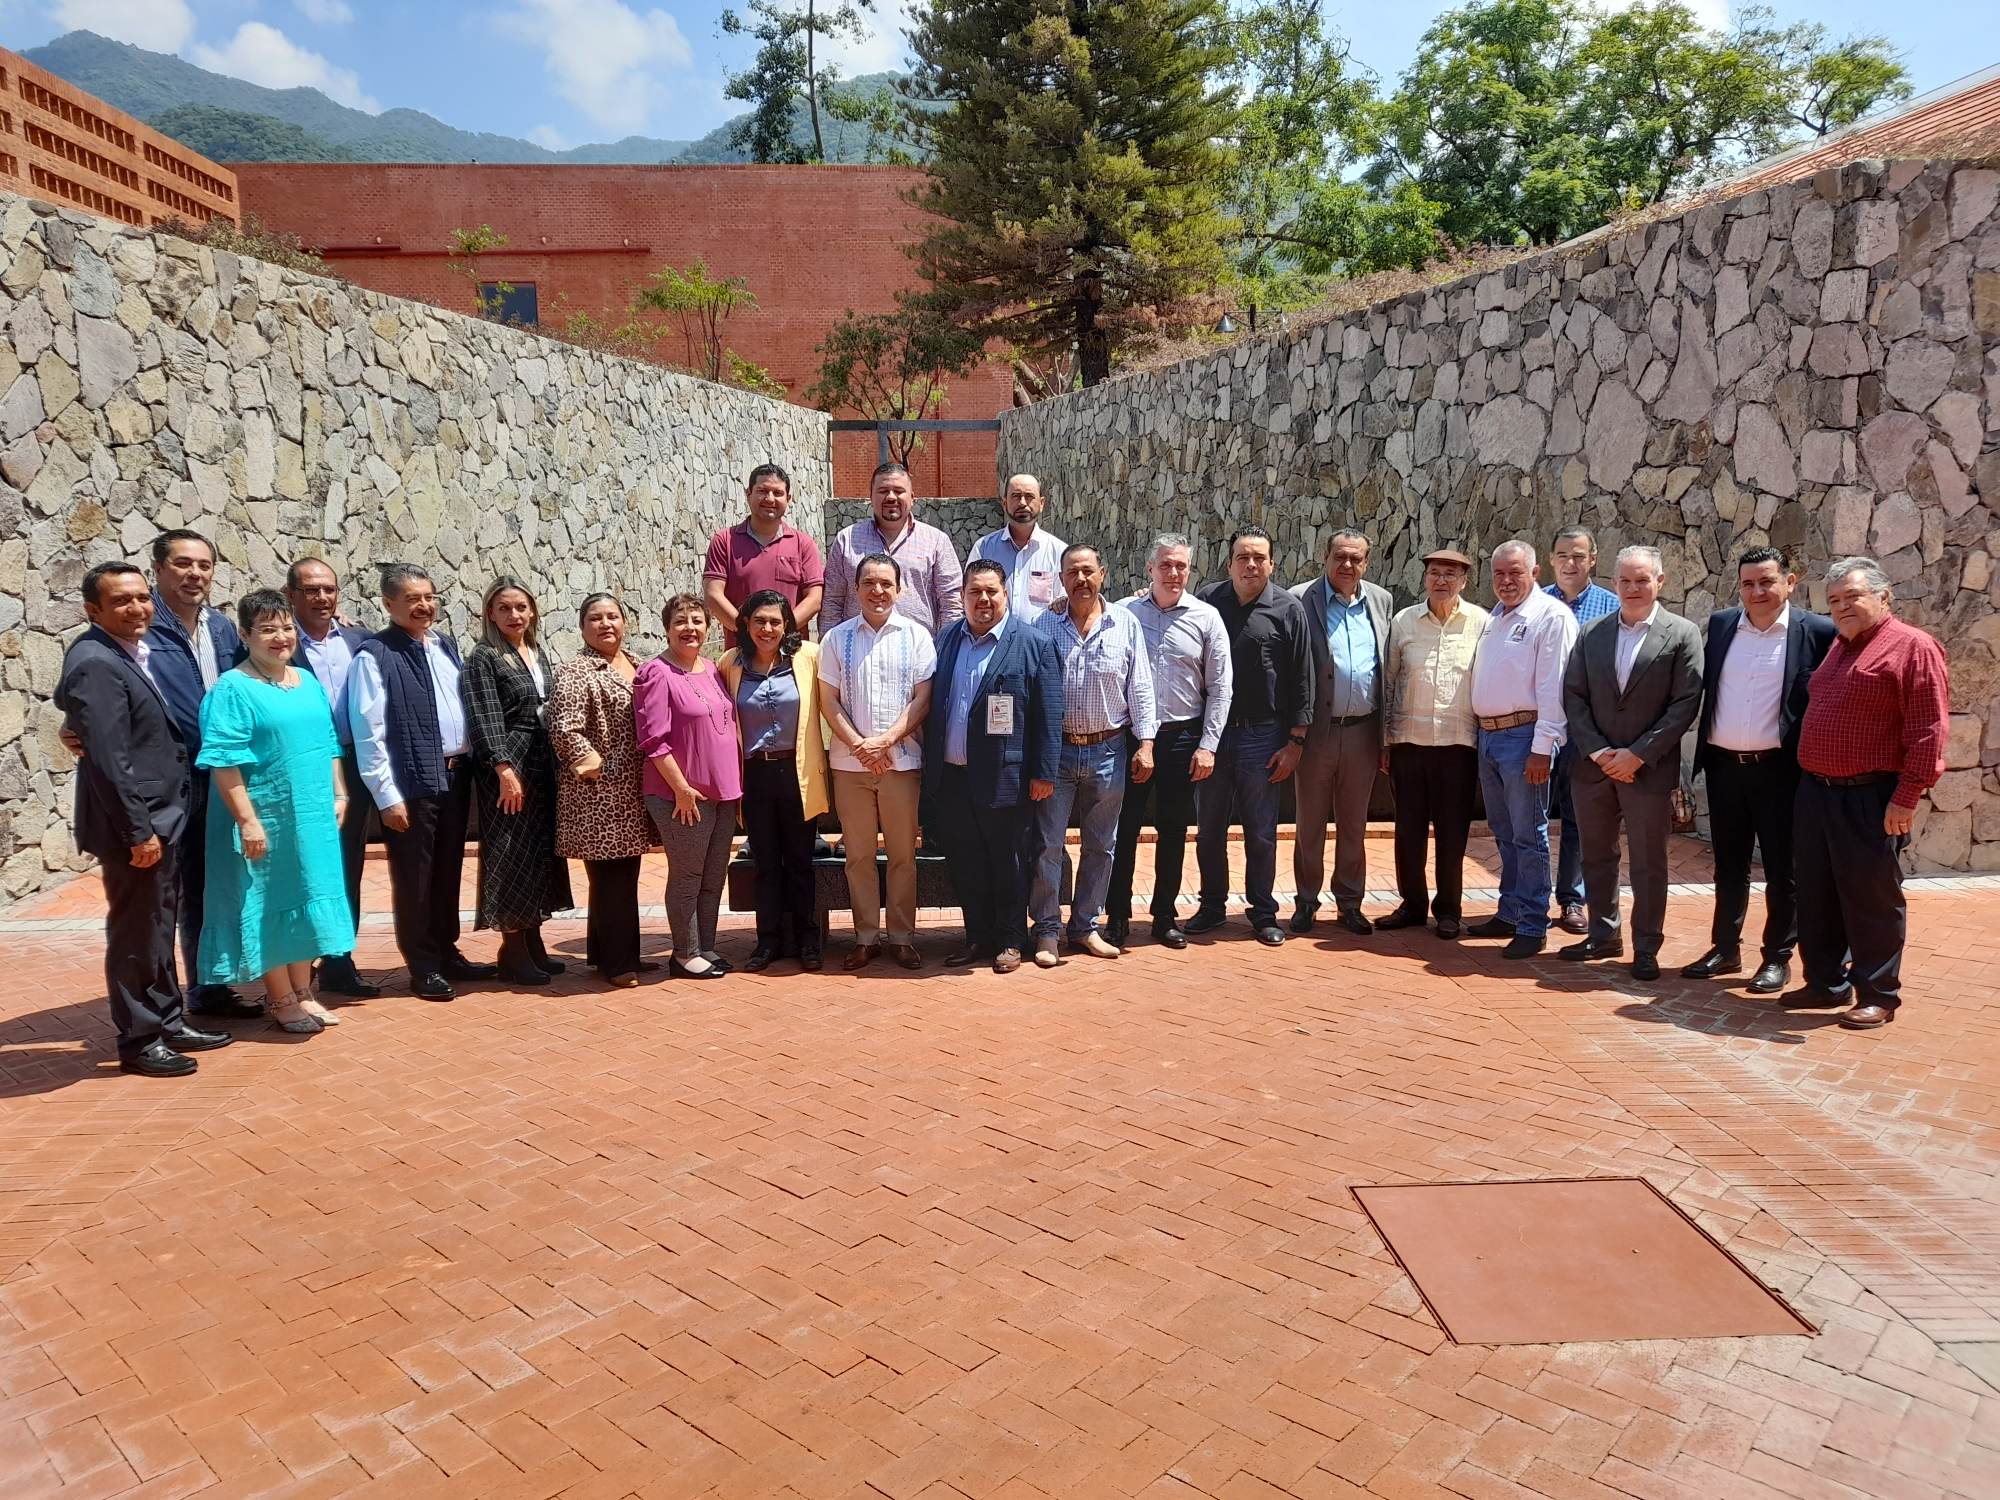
point(1030, 559)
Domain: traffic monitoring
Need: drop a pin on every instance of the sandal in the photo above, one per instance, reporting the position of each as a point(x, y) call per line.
point(289, 1013)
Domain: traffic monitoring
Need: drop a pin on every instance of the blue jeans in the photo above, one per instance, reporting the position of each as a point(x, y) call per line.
point(1240, 789)
point(1518, 814)
point(1569, 849)
point(1090, 780)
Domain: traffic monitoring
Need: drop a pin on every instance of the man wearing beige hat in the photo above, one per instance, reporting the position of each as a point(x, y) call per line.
point(1430, 740)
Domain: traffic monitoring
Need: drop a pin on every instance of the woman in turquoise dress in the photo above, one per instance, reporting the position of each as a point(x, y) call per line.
point(276, 891)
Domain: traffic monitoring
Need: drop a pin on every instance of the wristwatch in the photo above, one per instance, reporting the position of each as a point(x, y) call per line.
point(1297, 736)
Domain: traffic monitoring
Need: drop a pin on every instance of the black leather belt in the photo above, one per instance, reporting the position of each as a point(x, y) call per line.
point(1745, 757)
point(1344, 720)
point(771, 755)
point(1867, 778)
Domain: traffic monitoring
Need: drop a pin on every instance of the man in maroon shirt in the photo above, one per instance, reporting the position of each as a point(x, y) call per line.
point(1872, 744)
point(762, 552)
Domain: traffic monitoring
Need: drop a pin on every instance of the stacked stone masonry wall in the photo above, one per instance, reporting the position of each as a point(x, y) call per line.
point(1815, 366)
point(147, 383)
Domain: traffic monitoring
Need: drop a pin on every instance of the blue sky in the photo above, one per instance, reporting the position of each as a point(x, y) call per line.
point(568, 71)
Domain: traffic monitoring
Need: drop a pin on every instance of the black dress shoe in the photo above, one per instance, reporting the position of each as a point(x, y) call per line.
point(680, 971)
point(340, 977)
point(650, 966)
point(187, 1039)
point(157, 1061)
point(759, 960)
point(1169, 936)
point(539, 952)
point(1449, 928)
point(1817, 997)
point(1645, 966)
point(716, 960)
point(1593, 948)
point(1523, 946)
point(809, 958)
point(1715, 962)
point(458, 966)
point(1401, 917)
point(1118, 934)
point(1492, 927)
point(431, 987)
point(1771, 978)
point(1355, 922)
point(959, 958)
point(1272, 936)
point(1302, 919)
point(223, 1002)
point(1204, 921)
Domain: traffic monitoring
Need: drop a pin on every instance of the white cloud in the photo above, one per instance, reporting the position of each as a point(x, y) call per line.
point(883, 50)
point(549, 136)
point(159, 25)
point(605, 56)
point(263, 54)
point(325, 12)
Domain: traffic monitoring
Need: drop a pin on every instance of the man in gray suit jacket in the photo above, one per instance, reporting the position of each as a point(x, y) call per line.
point(1632, 689)
point(1343, 751)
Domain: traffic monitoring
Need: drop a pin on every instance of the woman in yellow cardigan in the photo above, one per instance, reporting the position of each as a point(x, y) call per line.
point(774, 679)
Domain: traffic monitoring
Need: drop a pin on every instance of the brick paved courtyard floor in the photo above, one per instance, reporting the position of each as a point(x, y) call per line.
point(1070, 1234)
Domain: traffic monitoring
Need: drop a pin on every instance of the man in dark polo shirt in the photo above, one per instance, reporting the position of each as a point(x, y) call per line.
point(762, 552)
point(1270, 709)
point(1871, 745)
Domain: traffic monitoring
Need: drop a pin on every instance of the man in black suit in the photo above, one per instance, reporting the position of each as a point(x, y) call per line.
point(327, 648)
point(133, 795)
point(1755, 676)
point(992, 745)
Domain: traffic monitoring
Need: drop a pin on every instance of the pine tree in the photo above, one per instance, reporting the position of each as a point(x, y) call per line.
point(1078, 174)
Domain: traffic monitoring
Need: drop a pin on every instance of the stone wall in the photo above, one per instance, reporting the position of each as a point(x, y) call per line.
point(1815, 366)
point(147, 383)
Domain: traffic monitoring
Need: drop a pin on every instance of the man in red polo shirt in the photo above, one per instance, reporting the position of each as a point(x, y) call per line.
point(1871, 745)
point(762, 552)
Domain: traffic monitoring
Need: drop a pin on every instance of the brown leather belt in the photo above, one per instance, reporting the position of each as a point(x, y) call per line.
point(1097, 738)
point(1868, 778)
point(1507, 721)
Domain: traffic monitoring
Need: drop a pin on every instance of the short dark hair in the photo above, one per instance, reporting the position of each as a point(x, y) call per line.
point(1756, 557)
point(260, 604)
point(1249, 534)
point(164, 543)
point(767, 471)
point(583, 609)
point(96, 576)
point(768, 599)
point(1573, 534)
point(1347, 534)
point(891, 467)
point(880, 559)
point(396, 576)
point(1090, 547)
point(292, 573)
point(985, 565)
point(681, 602)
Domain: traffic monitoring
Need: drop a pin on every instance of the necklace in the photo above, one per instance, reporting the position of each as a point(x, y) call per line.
point(276, 682)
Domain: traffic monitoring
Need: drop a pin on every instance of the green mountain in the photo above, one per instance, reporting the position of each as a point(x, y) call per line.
point(227, 119)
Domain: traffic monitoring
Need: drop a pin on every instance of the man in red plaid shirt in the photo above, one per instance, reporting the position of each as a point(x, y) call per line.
point(1872, 744)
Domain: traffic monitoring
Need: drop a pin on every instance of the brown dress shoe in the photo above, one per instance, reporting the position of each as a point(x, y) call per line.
point(1867, 1017)
point(1574, 919)
point(906, 954)
point(863, 955)
point(1007, 960)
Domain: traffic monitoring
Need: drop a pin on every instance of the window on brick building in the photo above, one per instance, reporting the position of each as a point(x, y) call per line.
point(511, 302)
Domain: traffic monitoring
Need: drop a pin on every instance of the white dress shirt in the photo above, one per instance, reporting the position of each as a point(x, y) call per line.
point(1520, 665)
point(876, 673)
point(1631, 640)
point(368, 717)
point(1034, 572)
point(331, 659)
point(1193, 670)
point(1751, 689)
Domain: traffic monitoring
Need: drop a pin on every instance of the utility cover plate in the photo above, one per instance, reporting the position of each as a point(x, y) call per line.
point(1569, 1261)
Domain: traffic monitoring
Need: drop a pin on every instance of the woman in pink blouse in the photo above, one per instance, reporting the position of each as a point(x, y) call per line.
point(687, 735)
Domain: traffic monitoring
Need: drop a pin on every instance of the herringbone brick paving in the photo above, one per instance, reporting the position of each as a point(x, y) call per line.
point(1075, 1234)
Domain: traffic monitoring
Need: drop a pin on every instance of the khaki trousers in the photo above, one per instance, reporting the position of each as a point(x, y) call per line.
point(871, 804)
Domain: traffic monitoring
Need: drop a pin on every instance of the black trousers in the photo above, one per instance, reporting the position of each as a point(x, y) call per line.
point(353, 836)
point(986, 849)
point(1852, 917)
point(1435, 787)
point(1752, 804)
point(781, 846)
point(425, 863)
point(611, 937)
point(140, 911)
point(191, 866)
point(1167, 797)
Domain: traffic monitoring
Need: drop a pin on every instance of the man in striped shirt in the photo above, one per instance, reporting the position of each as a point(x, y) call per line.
point(1107, 691)
point(932, 580)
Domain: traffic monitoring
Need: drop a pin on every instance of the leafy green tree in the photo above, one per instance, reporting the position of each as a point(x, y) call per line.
point(699, 306)
point(1830, 84)
point(788, 69)
point(892, 367)
point(468, 245)
point(240, 135)
point(1079, 176)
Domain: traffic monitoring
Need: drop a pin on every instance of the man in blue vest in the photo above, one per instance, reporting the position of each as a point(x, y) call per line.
point(413, 747)
point(192, 644)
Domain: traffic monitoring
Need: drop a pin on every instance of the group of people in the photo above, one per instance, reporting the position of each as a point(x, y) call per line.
point(228, 770)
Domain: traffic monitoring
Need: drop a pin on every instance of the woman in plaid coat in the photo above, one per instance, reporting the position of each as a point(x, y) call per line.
point(522, 880)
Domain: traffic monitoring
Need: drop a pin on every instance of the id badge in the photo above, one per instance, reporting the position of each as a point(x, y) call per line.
point(1000, 714)
point(1041, 588)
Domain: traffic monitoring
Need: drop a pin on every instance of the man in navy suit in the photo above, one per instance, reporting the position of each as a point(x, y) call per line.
point(133, 796)
point(327, 648)
point(1758, 664)
point(992, 745)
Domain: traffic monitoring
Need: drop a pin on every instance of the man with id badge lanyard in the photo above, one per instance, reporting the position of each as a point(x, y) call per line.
point(1029, 558)
point(991, 748)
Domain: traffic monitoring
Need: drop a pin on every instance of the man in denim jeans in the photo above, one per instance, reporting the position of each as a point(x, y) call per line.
point(1517, 697)
point(1107, 687)
point(1270, 709)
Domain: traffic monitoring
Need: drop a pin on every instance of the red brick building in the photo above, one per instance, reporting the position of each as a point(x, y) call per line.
point(64, 146)
point(810, 241)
